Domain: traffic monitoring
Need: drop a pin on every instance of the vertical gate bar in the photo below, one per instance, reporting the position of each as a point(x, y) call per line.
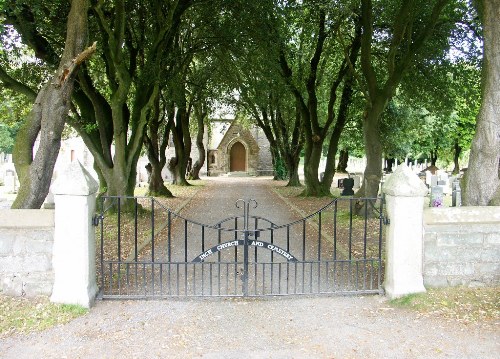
point(255, 279)
point(365, 240)
point(350, 228)
point(227, 278)
point(218, 242)
point(255, 236)
point(272, 259)
point(194, 278)
point(119, 278)
point(303, 239)
point(371, 275)
point(303, 254)
point(364, 273)
point(357, 275)
point(102, 244)
point(279, 278)
point(211, 264)
point(161, 279)
point(272, 271)
point(169, 236)
point(185, 279)
point(202, 239)
point(202, 277)
point(381, 218)
point(152, 278)
point(272, 242)
point(335, 231)
point(319, 252)
point(144, 277)
point(319, 236)
point(135, 228)
point(119, 229)
point(287, 275)
point(236, 238)
point(136, 277)
point(288, 238)
point(311, 279)
point(334, 275)
point(295, 279)
point(235, 277)
point(185, 241)
point(153, 231)
point(263, 278)
point(202, 266)
point(169, 278)
point(341, 277)
point(245, 265)
point(128, 279)
point(365, 231)
point(110, 278)
point(177, 273)
point(327, 276)
point(218, 277)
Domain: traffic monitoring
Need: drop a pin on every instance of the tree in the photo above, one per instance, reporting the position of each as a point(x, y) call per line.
point(482, 179)
point(49, 115)
point(316, 80)
point(400, 40)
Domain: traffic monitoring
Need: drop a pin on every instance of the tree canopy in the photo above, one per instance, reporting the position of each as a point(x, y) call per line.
point(400, 76)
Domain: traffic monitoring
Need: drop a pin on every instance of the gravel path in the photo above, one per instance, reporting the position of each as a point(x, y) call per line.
point(285, 327)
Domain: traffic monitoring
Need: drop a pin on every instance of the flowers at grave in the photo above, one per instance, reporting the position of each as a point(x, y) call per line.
point(437, 202)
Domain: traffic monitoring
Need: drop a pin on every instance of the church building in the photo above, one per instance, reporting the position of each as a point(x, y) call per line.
point(237, 150)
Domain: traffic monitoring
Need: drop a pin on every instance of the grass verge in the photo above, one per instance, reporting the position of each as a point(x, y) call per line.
point(25, 315)
point(465, 305)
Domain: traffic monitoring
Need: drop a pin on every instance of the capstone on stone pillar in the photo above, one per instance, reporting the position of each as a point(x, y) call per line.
point(405, 194)
point(74, 237)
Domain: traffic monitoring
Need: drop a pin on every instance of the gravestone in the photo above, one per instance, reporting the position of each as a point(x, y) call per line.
point(456, 194)
point(348, 184)
point(357, 181)
point(434, 181)
point(436, 199)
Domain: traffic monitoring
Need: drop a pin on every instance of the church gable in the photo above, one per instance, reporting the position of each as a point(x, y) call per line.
point(238, 151)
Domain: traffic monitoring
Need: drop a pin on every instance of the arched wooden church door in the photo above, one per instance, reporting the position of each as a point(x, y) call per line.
point(238, 157)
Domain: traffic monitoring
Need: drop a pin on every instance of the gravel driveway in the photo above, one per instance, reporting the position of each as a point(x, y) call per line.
point(321, 327)
point(276, 327)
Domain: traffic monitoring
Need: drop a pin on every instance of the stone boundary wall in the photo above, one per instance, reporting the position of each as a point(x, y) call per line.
point(461, 246)
point(26, 247)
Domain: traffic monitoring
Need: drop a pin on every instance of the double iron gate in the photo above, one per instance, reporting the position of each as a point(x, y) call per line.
point(148, 251)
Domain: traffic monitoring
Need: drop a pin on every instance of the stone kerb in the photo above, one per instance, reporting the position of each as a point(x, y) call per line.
point(74, 238)
point(405, 194)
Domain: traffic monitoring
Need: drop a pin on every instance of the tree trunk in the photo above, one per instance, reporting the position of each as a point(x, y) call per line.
point(434, 157)
point(481, 182)
point(156, 184)
point(390, 164)
point(182, 142)
point(456, 157)
point(49, 113)
point(343, 160)
point(292, 164)
point(195, 171)
point(373, 149)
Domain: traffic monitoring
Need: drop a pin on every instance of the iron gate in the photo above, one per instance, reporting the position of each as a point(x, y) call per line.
point(147, 251)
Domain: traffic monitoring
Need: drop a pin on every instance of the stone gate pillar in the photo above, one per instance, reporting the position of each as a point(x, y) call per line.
point(405, 194)
point(74, 237)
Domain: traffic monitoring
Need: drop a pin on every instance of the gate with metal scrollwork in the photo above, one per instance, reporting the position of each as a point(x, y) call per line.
point(149, 251)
